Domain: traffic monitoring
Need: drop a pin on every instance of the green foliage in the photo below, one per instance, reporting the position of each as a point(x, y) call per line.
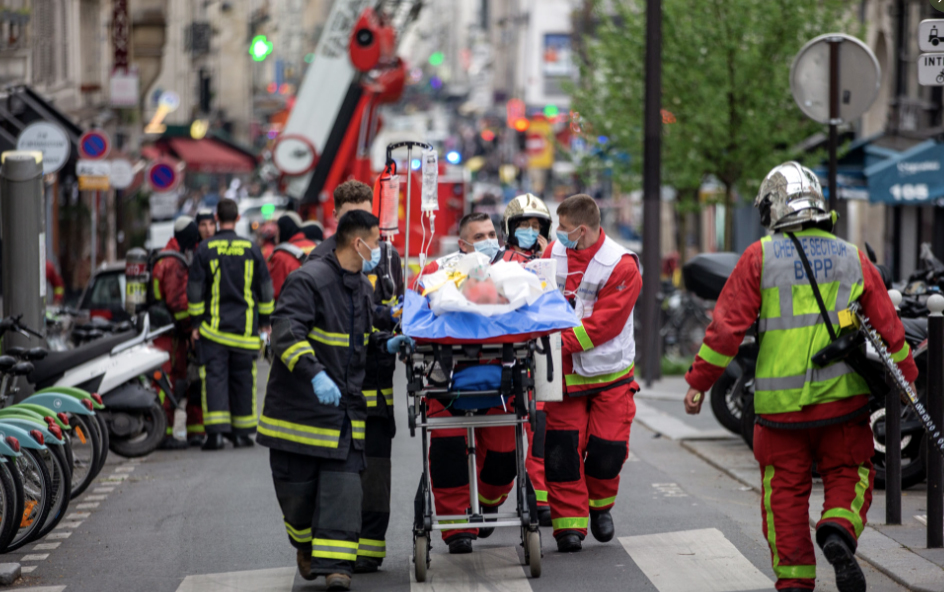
point(726, 66)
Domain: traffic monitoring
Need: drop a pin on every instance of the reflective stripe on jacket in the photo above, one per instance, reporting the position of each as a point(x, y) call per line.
point(791, 328)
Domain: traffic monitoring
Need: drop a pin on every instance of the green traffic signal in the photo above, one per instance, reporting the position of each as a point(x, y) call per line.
point(260, 48)
point(436, 58)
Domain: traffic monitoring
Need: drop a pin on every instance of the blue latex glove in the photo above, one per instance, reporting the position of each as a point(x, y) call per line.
point(325, 389)
point(393, 344)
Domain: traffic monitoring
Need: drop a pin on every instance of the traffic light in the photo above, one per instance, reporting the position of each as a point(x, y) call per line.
point(260, 48)
point(436, 59)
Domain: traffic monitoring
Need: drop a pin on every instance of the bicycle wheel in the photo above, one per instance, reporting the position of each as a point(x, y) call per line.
point(85, 453)
point(106, 440)
point(59, 471)
point(37, 497)
point(10, 493)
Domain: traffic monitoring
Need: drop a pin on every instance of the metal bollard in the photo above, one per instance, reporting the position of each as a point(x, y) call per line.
point(893, 445)
point(935, 407)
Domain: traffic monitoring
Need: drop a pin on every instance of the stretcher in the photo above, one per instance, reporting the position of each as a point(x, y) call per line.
point(430, 363)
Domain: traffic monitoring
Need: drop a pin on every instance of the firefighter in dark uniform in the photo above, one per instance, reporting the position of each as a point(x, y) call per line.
point(315, 414)
point(387, 281)
point(230, 299)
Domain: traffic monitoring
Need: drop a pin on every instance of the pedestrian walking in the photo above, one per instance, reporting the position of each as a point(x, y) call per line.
point(314, 420)
point(792, 284)
point(230, 300)
point(587, 439)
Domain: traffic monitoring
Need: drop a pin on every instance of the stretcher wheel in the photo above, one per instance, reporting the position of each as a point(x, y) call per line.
point(421, 557)
point(532, 551)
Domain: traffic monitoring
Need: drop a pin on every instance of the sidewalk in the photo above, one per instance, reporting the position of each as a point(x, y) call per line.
point(898, 551)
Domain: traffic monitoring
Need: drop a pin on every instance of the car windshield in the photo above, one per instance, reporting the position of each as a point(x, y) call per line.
point(107, 291)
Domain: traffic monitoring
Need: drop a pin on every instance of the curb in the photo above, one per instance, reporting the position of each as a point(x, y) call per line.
point(9, 573)
point(885, 554)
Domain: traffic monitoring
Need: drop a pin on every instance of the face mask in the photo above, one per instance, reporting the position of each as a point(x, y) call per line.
point(369, 265)
point(564, 238)
point(526, 237)
point(488, 247)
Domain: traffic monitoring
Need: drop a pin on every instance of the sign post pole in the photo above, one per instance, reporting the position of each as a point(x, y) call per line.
point(94, 229)
point(834, 120)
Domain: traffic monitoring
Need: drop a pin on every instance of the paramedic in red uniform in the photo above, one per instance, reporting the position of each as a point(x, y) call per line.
point(527, 227)
point(587, 439)
point(291, 252)
point(806, 414)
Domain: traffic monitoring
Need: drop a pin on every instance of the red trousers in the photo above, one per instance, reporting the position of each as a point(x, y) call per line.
point(176, 370)
point(586, 444)
point(535, 459)
point(449, 467)
point(842, 454)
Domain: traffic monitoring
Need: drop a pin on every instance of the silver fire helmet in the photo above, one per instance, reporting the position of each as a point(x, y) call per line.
point(789, 196)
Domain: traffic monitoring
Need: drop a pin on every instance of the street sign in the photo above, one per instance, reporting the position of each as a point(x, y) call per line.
point(931, 35)
point(48, 138)
point(162, 175)
point(859, 78)
point(163, 205)
point(93, 174)
point(294, 155)
point(94, 145)
point(931, 69)
point(122, 173)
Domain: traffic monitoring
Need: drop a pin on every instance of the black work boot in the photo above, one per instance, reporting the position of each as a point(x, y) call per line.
point(367, 565)
point(303, 559)
point(544, 516)
point(213, 442)
point(196, 439)
point(338, 582)
point(172, 443)
point(484, 533)
point(841, 555)
point(569, 543)
point(601, 525)
point(243, 442)
point(460, 544)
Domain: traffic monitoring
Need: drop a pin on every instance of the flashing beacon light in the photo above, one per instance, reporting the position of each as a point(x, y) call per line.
point(522, 124)
point(453, 157)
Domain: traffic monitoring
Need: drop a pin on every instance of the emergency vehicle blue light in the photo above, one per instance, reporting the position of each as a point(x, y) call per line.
point(416, 164)
point(453, 157)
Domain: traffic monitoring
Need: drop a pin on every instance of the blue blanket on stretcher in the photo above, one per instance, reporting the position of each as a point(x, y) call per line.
point(548, 314)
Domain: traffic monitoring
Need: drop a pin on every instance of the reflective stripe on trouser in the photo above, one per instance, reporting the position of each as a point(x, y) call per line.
point(535, 459)
point(585, 446)
point(228, 389)
point(321, 505)
point(842, 455)
point(449, 468)
point(375, 483)
point(372, 396)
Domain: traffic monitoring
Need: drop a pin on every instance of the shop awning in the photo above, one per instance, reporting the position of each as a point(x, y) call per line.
point(210, 155)
point(912, 177)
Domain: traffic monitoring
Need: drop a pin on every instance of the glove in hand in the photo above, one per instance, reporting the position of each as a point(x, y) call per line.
point(325, 389)
point(393, 344)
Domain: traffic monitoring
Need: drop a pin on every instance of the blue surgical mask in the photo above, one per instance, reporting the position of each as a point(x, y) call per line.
point(526, 237)
point(564, 238)
point(368, 266)
point(488, 247)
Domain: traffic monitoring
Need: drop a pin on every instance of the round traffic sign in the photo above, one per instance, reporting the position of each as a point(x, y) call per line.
point(294, 155)
point(162, 175)
point(122, 173)
point(48, 138)
point(859, 78)
point(94, 145)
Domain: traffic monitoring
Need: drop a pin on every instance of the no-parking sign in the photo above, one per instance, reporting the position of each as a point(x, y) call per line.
point(94, 145)
point(162, 175)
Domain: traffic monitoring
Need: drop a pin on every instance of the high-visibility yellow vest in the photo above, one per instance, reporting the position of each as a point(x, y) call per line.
point(791, 328)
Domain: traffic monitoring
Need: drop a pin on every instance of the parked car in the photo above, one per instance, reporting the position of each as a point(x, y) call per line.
point(104, 296)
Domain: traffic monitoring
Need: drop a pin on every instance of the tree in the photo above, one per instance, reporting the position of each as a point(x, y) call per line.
point(728, 110)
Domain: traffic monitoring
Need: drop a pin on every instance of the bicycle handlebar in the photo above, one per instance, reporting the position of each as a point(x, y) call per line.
point(13, 322)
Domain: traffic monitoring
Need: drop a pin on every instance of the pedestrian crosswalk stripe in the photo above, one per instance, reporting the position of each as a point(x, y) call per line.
point(688, 560)
point(41, 588)
point(487, 569)
point(260, 580)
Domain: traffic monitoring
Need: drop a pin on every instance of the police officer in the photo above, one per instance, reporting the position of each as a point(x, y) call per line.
point(315, 414)
point(292, 250)
point(387, 281)
point(230, 295)
point(169, 277)
point(805, 414)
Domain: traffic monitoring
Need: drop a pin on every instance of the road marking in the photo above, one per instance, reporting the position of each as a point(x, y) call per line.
point(114, 478)
point(46, 546)
point(87, 506)
point(95, 498)
point(261, 580)
point(78, 516)
point(673, 427)
point(632, 458)
point(35, 557)
point(30, 569)
point(669, 490)
point(125, 469)
point(688, 560)
point(68, 525)
point(58, 535)
point(104, 489)
point(40, 588)
point(492, 570)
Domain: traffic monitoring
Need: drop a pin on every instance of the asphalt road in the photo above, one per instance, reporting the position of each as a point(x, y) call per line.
point(202, 521)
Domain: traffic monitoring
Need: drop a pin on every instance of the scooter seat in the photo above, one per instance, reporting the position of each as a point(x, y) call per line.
point(45, 372)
